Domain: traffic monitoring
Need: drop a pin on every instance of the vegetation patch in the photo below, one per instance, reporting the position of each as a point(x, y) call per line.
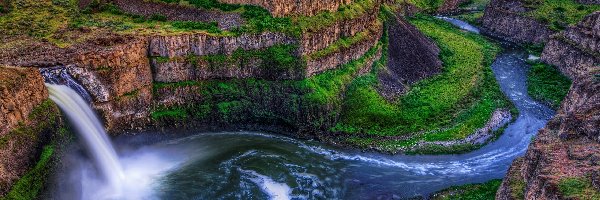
point(471, 17)
point(427, 5)
point(482, 191)
point(342, 43)
point(449, 106)
point(559, 14)
point(546, 84)
point(39, 19)
point(474, 4)
point(32, 183)
point(578, 188)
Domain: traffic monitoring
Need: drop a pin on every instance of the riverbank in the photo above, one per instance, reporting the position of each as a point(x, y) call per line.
point(461, 99)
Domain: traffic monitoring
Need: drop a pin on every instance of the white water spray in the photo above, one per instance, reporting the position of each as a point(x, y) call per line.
point(91, 131)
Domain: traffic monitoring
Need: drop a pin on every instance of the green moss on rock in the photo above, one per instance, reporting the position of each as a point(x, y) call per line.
point(482, 191)
point(32, 183)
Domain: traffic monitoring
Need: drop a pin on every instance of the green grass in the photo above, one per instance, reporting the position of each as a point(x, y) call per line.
point(578, 188)
point(31, 184)
point(342, 43)
point(472, 17)
point(259, 19)
point(482, 191)
point(474, 4)
point(559, 14)
point(547, 84)
point(427, 5)
point(37, 18)
point(448, 106)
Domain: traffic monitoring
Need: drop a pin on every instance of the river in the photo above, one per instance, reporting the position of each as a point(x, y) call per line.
point(252, 165)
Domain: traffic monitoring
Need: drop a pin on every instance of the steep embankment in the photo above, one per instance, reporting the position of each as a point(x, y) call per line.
point(562, 162)
point(532, 22)
point(411, 57)
point(28, 121)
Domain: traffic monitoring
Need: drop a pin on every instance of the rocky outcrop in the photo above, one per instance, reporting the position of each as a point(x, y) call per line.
point(225, 20)
point(293, 7)
point(506, 19)
point(576, 51)
point(21, 90)
point(27, 120)
point(568, 147)
point(203, 44)
point(254, 101)
point(345, 55)
point(450, 6)
point(411, 57)
point(589, 1)
point(315, 40)
point(120, 81)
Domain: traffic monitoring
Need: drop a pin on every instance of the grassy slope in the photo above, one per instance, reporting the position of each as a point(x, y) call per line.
point(578, 188)
point(427, 5)
point(547, 84)
point(37, 18)
point(448, 106)
point(32, 183)
point(559, 14)
point(483, 191)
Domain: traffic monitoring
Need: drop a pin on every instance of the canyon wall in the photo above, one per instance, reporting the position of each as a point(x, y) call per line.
point(576, 51)
point(567, 150)
point(27, 121)
point(281, 8)
point(119, 80)
point(450, 6)
point(411, 57)
point(506, 19)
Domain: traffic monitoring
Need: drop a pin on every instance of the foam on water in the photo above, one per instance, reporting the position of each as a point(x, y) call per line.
point(275, 190)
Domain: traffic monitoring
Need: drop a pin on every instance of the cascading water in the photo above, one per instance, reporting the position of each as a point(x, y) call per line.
point(91, 131)
point(59, 75)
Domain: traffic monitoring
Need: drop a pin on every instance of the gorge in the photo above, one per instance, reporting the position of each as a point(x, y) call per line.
point(362, 99)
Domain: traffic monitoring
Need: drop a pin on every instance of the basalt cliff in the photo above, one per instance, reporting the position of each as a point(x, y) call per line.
point(201, 79)
point(562, 162)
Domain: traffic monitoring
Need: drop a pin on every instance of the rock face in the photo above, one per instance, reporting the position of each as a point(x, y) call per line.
point(120, 81)
point(589, 1)
point(569, 146)
point(411, 57)
point(315, 40)
point(576, 51)
point(345, 55)
point(450, 6)
point(179, 13)
point(21, 90)
point(293, 7)
point(27, 120)
point(505, 19)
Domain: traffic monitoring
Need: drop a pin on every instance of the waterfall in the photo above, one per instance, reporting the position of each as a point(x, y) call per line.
point(91, 132)
point(60, 75)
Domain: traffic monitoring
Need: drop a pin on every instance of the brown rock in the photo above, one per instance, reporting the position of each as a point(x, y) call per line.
point(293, 7)
point(22, 89)
point(411, 57)
point(505, 19)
